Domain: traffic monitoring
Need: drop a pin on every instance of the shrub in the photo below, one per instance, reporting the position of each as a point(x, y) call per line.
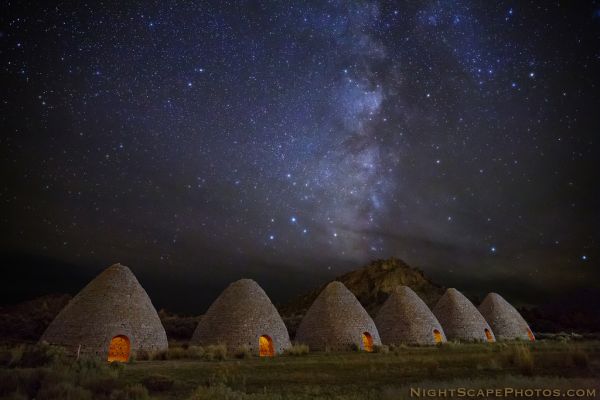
point(243, 352)
point(397, 348)
point(15, 355)
point(353, 347)
point(450, 346)
point(215, 352)
point(160, 355)
point(32, 356)
point(521, 357)
point(383, 349)
point(297, 349)
point(116, 367)
point(102, 385)
point(158, 383)
point(30, 381)
point(217, 392)
point(132, 392)
point(61, 378)
point(63, 391)
point(91, 368)
point(195, 352)
point(176, 353)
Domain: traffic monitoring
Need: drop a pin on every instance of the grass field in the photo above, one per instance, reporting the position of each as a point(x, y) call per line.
point(186, 374)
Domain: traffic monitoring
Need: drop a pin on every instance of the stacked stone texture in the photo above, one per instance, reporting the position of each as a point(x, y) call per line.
point(239, 317)
point(460, 318)
point(336, 321)
point(112, 304)
point(505, 320)
point(405, 319)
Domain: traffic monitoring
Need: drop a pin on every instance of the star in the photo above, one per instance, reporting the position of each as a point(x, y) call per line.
point(227, 132)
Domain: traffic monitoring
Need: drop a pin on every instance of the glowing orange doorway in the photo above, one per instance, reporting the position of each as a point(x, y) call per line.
point(488, 336)
point(367, 341)
point(265, 344)
point(437, 336)
point(119, 349)
point(530, 334)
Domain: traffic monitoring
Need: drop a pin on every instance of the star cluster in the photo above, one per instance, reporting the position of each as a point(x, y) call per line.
point(289, 141)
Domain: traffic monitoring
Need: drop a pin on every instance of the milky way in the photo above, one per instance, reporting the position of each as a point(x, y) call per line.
point(290, 142)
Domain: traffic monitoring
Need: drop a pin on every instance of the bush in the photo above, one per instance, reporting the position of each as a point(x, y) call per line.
point(102, 385)
point(14, 356)
point(209, 353)
point(215, 352)
point(132, 392)
point(521, 357)
point(217, 392)
point(297, 349)
point(195, 352)
point(383, 349)
point(176, 353)
point(160, 355)
point(243, 352)
point(158, 383)
point(32, 356)
point(398, 349)
point(63, 391)
point(29, 381)
point(450, 346)
point(60, 378)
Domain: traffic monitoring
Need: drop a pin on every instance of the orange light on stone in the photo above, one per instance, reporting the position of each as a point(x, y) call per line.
point(488, 336)
point(265, 345)
point(119, 349)
point(530, 334)
point(367, 341)
point(437, 336)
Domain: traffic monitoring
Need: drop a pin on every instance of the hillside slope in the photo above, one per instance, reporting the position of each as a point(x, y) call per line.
point(25, 322)
point(371, 285)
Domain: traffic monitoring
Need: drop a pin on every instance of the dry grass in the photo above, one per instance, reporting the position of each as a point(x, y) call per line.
point(196, 373)
point(243, 352)
point(521, 357)
point(297, 350)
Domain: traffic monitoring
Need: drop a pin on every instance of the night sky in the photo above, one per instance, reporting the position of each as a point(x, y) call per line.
point(293, 141)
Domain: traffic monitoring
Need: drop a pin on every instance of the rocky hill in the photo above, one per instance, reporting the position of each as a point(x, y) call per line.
point(371, 285)
point(25, 322)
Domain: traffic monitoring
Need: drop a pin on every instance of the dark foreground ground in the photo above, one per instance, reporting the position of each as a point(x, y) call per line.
point(196, 373)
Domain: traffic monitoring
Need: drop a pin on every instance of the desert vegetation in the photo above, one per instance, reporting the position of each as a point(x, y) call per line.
point(193, 372)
